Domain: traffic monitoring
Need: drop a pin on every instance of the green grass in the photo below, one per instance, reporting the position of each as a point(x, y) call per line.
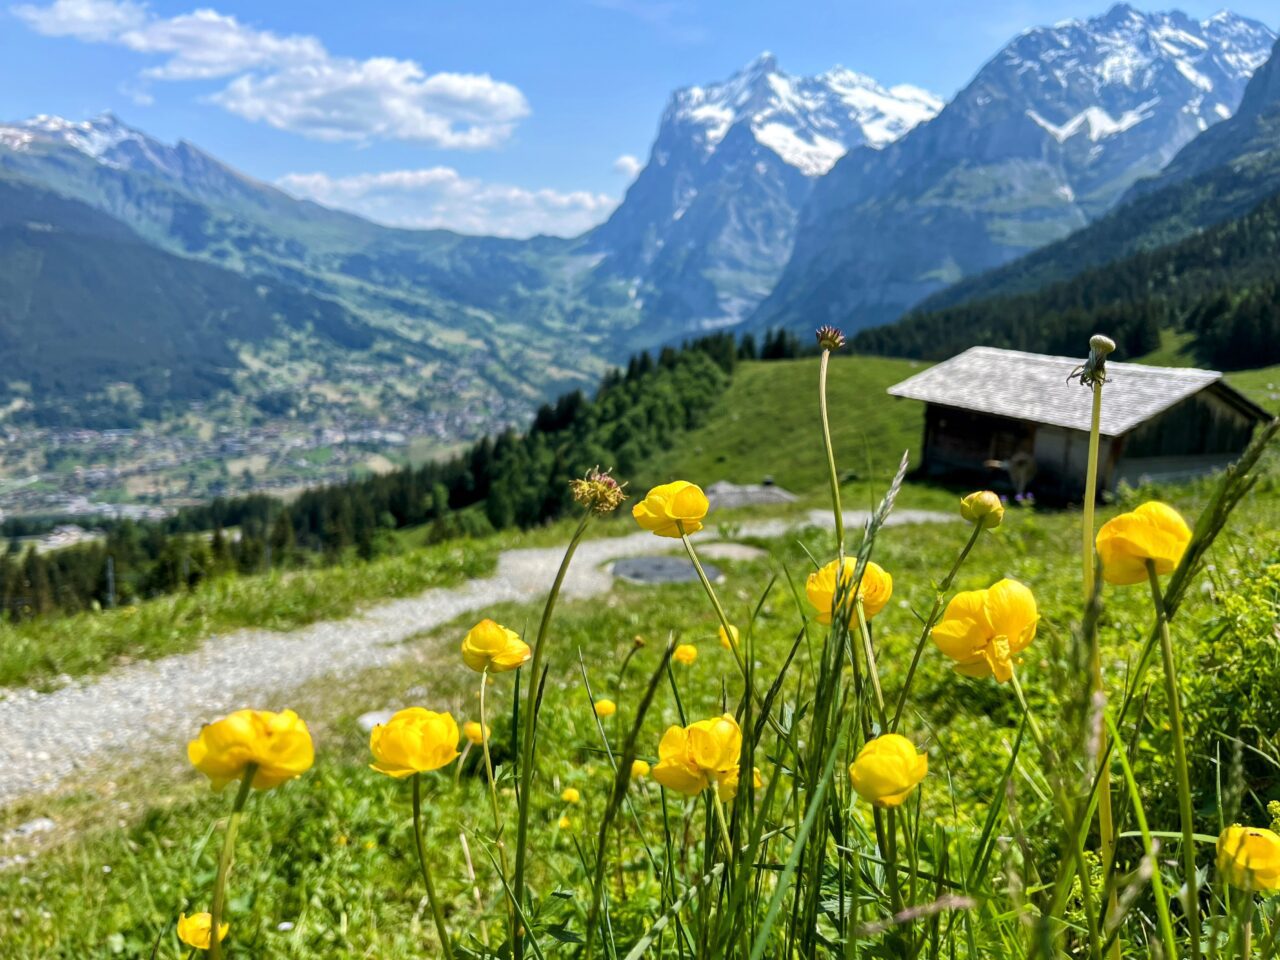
point(40, 651)
point(766, 425)
point(331, 853)
point(1262, 385)
point(1174, 350)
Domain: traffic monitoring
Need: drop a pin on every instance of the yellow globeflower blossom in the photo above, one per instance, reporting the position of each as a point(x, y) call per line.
point(605, 708)
point(278, 743)
point(472, 731)
point(639, 769)
point(692, 758)
point(195, 930)
point(728, 787)
point(729, 640)
point(983, 630)
point(1249, 858)
point(984, 509)
point(666, 507)
point(413, 741)
point(820, 588)
point(887, 769)
point(491, 646)
point(685, 653)
point(570, 795)
point(1154, 531)
point(565, 823)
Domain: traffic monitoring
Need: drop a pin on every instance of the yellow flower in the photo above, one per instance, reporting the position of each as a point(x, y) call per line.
point(983, 630)
point(887, 769)
point(279, 743)
point(984, 509)
point(876, 589)
point(639, 768)
point(1154, 531)
point(565, 823)
point(570, 795)
point(491, 646)
point(414, 740)
point(605, 708)
point(471, 730)
point(692, 758)
point(667, 506)
point(685, 653)
point(728, 787)
point(1249, 858)
point(729, 640)
point(194, 930)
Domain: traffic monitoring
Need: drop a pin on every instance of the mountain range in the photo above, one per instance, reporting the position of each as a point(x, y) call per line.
point(768, 199)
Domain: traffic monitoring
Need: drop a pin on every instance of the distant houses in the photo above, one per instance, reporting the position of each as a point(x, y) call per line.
point(1006, 416)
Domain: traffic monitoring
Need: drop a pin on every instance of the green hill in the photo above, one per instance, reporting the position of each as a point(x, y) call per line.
point(765, 424)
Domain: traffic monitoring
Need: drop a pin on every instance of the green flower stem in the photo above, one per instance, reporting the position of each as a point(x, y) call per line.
point(527, 742)
point(943, 589)
point(724, 824)
point(832, 477)
point(224, 860)
point(493, 789)
point(436, 912)
point(1192, 905)
point(887, 839)
point(869, 652)
point(1106, 827)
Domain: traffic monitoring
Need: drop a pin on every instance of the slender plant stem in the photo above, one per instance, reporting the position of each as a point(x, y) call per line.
point(943, 588)
point(225, 858)
point(1192, 904)
point(527, 742)
point(724, 824)
point(832, 477)
point(869, 652)
point(1106, 826)
point(436, 912)
point(493, 793)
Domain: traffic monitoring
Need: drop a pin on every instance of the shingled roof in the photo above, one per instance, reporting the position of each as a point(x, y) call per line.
point(1032, 386)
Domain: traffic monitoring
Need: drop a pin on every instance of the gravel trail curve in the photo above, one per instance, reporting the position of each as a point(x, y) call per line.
point(45, 737)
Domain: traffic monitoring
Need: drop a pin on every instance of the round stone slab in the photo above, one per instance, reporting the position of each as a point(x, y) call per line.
point(661, 570)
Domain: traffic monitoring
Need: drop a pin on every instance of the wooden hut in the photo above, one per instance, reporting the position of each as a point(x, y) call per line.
point(1018, 413)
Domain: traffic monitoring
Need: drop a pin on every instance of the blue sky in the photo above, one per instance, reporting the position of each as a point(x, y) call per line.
point(489, 116)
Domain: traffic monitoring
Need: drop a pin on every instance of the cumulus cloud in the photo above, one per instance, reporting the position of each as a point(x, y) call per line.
point(293, 82)
point(432, 197)
point(628, 165)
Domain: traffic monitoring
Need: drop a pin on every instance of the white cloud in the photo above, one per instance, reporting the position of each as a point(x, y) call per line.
point(433, 197)
point(628, 165)
point(293, 82)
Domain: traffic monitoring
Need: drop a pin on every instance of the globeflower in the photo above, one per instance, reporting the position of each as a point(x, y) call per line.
point(195, 930)
point(1153, 532)
point(875, 591)
point(669, 506)
point(278, 745)
point(983, 509)
point(887, 769)
point(413, 741)
point(639, 768)
point(1249, 858)
point(491, 646)
point(982, 630)
point(474, 734)
point(728, 640)
point(693, 758)
point(605, 708)
point(685, 653)
point(570, 795)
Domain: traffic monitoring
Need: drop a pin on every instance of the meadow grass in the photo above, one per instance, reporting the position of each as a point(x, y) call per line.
point(40, 652)
point(326, 865)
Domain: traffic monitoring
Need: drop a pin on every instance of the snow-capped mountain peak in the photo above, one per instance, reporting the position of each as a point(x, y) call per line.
point(97, 137)
point(810, 122)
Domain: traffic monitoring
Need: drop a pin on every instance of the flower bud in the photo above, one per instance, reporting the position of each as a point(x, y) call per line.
point(830, 338)
point(570, 795)
point(491, 646)
point(983, 509)
point(473, 732)
point(685, 653)
point(605, 708)
point(639, 769)
point(887, 769)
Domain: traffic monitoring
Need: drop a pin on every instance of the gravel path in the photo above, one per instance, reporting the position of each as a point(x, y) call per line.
point(45, 737)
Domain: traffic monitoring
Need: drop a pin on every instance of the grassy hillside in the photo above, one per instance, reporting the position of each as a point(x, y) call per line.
point(765, 424)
